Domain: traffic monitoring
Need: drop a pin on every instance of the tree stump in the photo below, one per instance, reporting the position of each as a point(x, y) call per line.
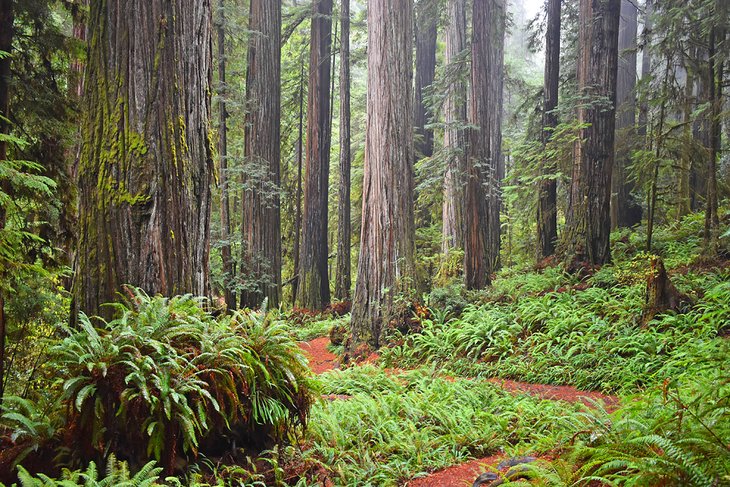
point(661, 295)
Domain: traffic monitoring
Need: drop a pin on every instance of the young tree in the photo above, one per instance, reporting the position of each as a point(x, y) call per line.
point(482, 236)
point(229, 293)
point(313, 291)
point(547, 206)
point(386, 262)
point(426, 26)
point(588, 225)
point(261, 213)
point(146, 161)
point(344, 227)
point(454, 133)
point(625, 212)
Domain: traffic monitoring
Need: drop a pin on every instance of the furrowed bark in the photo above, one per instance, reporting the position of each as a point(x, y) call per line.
point(146, 161)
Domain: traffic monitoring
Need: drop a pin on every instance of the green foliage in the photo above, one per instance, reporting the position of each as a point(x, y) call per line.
point(398, 426)
point(116, 475)
point(165, 372)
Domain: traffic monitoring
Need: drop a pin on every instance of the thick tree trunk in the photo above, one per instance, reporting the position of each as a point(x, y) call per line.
point(344, 227)
point(229, 294)
point(426, 32)
point(485, 167)
point(6, 45)
point(386, 263)
point(146, 160)
point(547, 205)
point(313, 288)
point(588, 226)
point(455, 132)
point(625, 211)
point(261, 212)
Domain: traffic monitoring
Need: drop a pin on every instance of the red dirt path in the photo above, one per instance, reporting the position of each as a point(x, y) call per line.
point(322, 360)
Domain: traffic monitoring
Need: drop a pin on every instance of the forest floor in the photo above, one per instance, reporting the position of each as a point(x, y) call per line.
point(321, 360)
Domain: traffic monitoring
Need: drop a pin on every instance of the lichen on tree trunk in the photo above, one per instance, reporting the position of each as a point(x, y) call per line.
point(146, 162)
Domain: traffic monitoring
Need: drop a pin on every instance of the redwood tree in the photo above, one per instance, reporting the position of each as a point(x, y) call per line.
point(261, 265)
point(146, 164)
point(386, 262)
point(454, 132)
point(313, 291)
point(482, 236)
point(225, 209)
point(625, 212)
point(344, 227)
point(547, 208)
point(588, 225)
point(426, 25)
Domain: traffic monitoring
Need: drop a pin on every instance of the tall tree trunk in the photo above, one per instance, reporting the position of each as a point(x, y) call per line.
point(588, 226)
point(344, 227)
point(715, 81)
point(455, 134)
point(547, 206)
point(261, 211)
point(482, 235)
point(625, 212)
point(146, 161)
point(426, 32)
point(684, 197)
point(658, 145)
point(229, 294)
point(313, 289)
point(6, 45)
point(298, 202)
point(645, 69)
point(386, 262)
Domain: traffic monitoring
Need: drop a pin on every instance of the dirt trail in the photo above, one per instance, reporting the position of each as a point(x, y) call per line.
point(322, 360)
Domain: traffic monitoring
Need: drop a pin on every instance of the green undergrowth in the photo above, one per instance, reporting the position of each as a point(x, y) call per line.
point(395, 427)
point(552, 327)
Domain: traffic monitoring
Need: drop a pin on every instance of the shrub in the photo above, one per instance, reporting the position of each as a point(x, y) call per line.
point(167, 378)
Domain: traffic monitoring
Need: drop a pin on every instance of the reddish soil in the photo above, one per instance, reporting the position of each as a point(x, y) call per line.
point(557, 393)
point(458, 475)
point(320, 359)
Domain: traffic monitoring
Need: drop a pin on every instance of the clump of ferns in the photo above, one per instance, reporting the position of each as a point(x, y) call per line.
point(166, 378)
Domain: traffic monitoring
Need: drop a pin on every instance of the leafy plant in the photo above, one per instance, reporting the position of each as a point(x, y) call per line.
point(185, 380)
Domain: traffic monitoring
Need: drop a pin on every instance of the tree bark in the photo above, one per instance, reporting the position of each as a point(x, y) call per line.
point(229, 293)
point(455, 132)
point(6, 45)
point(146, 161)
point(386, 262)
point(485, 167)
point(298, 202)
point(588, 225)
point(426, 32)
point(261, 211)
point(645, 69)
point(715, 81)
point(625, 211)
point(313, 287)
point(344, 227)
point(547, 206)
